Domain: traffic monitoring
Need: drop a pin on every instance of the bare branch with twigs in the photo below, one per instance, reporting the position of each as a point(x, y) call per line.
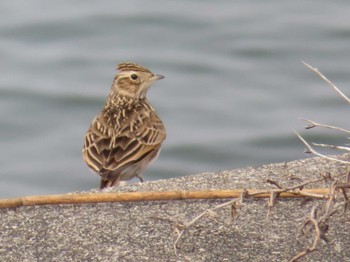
point(310, 149)
point(313, 124)
point(320, 222)
point(236, 202)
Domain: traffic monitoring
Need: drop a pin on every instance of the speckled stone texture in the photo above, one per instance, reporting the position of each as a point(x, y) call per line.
point(146, 231)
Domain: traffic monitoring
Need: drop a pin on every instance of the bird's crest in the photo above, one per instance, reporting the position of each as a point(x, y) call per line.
point(132, 67)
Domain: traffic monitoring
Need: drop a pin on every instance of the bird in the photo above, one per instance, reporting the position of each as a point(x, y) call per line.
point(126, 136)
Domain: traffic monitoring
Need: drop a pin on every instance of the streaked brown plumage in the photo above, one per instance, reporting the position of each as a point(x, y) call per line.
point(127, 135)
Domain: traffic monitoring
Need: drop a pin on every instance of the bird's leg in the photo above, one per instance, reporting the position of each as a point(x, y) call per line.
point(139, 176)
point(115, 182)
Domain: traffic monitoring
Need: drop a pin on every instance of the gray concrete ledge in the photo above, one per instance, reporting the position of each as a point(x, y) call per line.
point(146, 231)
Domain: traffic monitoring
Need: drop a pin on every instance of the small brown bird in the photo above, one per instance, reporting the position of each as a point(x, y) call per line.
point(127, 135)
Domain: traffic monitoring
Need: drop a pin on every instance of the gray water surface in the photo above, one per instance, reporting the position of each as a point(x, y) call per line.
point(234, 87)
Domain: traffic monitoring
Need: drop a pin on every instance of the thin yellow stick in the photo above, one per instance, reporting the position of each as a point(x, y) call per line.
point(321, 193)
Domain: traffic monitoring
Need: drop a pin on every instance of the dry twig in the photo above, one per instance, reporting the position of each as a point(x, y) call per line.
point(313, 220)
point(313, 124)
point(333, 147)
point(273, 195)
point(320, 222)
point(193, 221)
point(296, 189)
point(270, 203)
point(310, 149)
point(328, 81)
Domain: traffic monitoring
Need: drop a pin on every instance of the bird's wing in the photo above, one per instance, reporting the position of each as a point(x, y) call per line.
point(109, 151)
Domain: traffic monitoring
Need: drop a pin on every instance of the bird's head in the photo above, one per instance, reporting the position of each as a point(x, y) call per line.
point(133, 80)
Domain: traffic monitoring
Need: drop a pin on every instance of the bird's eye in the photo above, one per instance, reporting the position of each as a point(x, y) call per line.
point(133, 76)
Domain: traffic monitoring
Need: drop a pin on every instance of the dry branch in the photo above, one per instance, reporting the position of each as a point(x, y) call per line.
point(272, 194)
point(316, 124)
point(328, 81)
point(313, 220)
point(321, 193)
point(183, 227)
point(310, 149)
point(320, 222)
point(313, 124)
point(333, 147)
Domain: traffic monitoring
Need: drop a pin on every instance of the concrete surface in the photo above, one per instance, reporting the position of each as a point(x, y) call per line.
point(146, 231)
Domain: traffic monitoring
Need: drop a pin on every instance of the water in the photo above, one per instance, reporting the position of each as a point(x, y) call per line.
point(234, 87)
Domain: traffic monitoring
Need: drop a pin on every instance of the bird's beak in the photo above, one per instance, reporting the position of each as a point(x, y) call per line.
point(158, 77)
